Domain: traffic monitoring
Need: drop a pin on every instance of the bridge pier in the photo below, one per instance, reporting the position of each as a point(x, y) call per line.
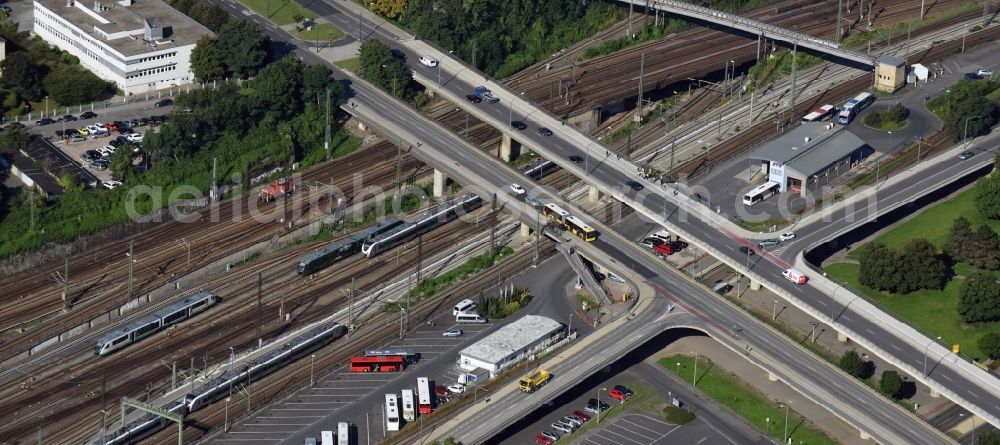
point(754, 285)
point(509, 148)
point(587, 120)
point(934, 393)
point(595, 194)
point(440, 180)
point(772, 376)
point(525, 230)
point(841, 337)
point(865, 436)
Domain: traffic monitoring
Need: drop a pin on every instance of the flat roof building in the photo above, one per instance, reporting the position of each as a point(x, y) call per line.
point(812, 154)
point(511, 344)
point(139, 45)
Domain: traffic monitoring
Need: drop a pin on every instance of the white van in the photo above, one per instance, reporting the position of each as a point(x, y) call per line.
point(465, 305)
point(795, 276)
point(343, 433)
point(469, 317)
point(327, 437)
point(663, 235)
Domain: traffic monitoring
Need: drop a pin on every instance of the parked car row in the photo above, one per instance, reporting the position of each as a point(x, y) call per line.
point(569, 423)
point(661, 244)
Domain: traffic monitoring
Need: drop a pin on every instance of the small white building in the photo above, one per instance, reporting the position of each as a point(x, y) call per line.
point(511, 344)
point(139, 45)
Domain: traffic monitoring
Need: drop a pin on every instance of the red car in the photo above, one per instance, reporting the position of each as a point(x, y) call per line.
point(542, 440)
point(582, 415)
point(111, 126)
point(617, 394)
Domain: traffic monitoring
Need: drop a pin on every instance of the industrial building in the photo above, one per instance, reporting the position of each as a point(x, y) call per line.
point(810, 156)
point(139, 45)
point(511, 344)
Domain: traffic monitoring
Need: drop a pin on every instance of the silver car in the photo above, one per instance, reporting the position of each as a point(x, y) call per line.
point(572, 421)
point(768, 242)
point(562, 428)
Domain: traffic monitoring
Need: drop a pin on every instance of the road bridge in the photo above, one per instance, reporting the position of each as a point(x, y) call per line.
point(756, 27)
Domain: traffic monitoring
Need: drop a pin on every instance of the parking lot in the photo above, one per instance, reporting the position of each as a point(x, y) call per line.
point(358, 397)
point(75, 150)
point(638, 428)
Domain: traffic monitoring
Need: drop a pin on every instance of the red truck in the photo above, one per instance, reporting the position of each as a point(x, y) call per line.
point(664, 249)
point(279, 188)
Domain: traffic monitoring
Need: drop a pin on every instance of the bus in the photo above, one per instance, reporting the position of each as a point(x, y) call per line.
point(853, 107)
point(820, 114)
point(343, 433)
point(326, 438)
point(423, 395)
point(761, 192)
point(407, 401)
point(555, 213)
point(580, 228)
point(409, 355)
point(382, 363)
point(391, 413)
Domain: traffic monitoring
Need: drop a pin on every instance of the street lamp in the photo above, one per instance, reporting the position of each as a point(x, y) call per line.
point(966, 132)
point(225, 427)
point(599, 405)
point(925, 355)
point(833, 300)
point(774, 309)
point(890, 140)
point(973, 416)
point(785, 437)
point(312, 363)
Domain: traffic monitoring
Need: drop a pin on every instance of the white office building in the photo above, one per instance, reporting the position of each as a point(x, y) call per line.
point(511, 344)
point(139, 45)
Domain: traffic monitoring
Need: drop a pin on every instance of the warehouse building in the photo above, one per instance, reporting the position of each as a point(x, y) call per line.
point(810, 156)
point(512, 344)
point(139, 45)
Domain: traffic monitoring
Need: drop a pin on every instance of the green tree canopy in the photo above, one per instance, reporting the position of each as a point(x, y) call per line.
point(988, 196)
point(890, 384)
point(243, 48)
point(70, 85)
point(989, 343)
point(979, 298)
point(922, 267)
point(960, 239)
point(985, 249)
point(384, 68)
point(989, 437)
point(278, 88)
point(206, 62)
point(23, 75)
point(852, 363)
point(880, 267)
point(14, 139)
point(974, 114)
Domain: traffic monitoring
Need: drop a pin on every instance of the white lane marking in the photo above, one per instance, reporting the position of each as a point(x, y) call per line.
point(894, 346)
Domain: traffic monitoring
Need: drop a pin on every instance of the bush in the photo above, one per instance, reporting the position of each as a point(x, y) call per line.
point(989, 343)
point(677, 416)
point(890, 384)
point(852, 363)
point(988, 196)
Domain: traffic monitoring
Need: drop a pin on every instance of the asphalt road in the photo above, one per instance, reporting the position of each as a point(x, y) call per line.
point(468, 167)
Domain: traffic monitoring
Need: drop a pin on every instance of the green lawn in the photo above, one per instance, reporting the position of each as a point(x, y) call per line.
point(933, 311)
point(934, 223)
point(889, 125)
point(754, 406)
point(323, 32)
point(281, 11)
point(352, 64)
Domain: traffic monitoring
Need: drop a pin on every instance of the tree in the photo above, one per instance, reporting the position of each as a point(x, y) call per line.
point(852, 363)
point(890, 384)
point(23, 75)
point(989, 343)
point(988, 438)
point(206, 61)
point(979, 298)
point(14, 139)
point(277, 87)
point(922, 267)
point(121, 163)
point(70, 85)
point(985, 251)
point(880, 268)
point(976, 114)
point(960, 239)
point(315, 81)
point(988, 196)
point(243, 48)
point(390, 9)
point(373, 56)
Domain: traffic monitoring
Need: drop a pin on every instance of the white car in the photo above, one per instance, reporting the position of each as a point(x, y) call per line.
point(106, 150)
point(111, 184)
point(427, 61)
point(985, 72)
point(456, 388)
point(135, 137)
point(517, 189)
point(787, 236)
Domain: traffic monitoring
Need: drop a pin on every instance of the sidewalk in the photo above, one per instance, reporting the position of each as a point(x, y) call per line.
point(778, 391)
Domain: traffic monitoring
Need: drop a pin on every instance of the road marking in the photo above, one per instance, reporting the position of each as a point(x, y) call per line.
point(846, 318)
point(246, 13)
point(609, 439)
point(702, 440)
point(945, 376)
point(973, 394)
point(870, 331)
point(894, 346)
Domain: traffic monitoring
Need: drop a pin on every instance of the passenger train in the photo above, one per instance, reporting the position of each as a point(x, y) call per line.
point(150, 324)
point(343, 248)
point(421, 224)
point(233, 380)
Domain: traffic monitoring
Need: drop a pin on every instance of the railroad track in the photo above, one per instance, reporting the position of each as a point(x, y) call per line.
point(310, 300)
point(102, 277)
